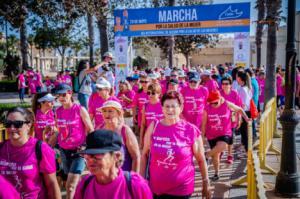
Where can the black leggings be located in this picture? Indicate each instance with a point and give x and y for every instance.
(244, 130)
(165, 196)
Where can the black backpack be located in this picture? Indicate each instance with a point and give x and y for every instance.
(127, 175)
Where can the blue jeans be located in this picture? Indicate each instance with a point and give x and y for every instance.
(71, 161)
(21, 93)
(83, 100)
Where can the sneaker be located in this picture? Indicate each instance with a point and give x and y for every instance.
(215, 178)
(229, 159)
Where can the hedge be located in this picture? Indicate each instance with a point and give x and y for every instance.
(8, 106)
(8, 86)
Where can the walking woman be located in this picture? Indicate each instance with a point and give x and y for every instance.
(73, 123)
(44, 125)
(21, 86)
(104, 93)
(25, 162)
(152, 110)
(172, 143)
(217, 126)
(245, 94)
(113, 120)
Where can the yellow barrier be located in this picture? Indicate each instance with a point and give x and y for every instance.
(3, 134)
(255, 188)
(267, 128)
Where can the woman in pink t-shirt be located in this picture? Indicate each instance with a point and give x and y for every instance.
(152, 110)
(126, 96)
(73, 123)
(97, 99)
(140, 99)
(21, 86)
(32, 177)
(261, 83)
(172, 144)
(232, 96)
(44, 125)
(113, 120)
(279, 88)
(103, 155)
(217, 126)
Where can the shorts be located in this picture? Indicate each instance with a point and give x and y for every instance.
(225, 138)
(72, 162)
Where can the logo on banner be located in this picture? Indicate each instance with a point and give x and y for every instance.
(230, 14)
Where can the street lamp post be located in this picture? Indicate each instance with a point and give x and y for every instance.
(288, 179)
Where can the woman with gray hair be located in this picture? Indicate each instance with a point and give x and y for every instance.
(107, 180)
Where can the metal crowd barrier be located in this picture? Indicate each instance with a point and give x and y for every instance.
(267, 129)
(3, 133)
(255, 184)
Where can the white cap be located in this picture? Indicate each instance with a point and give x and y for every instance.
(206, 72)
(102, 83)
(181, 73)
(108, 54)
(167, 72)
(153, 76)
(112, 104)
(47, 98)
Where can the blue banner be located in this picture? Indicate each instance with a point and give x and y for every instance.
(183, 20)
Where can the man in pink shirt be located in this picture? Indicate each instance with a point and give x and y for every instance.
(107, 180)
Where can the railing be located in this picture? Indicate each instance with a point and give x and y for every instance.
(3, 133)
(255, 185)
(267, 128)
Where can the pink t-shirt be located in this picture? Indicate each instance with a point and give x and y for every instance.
(172, 169)
(279, 85)
(94, 107)
(71, 128)
(41, 121)
(37, 79)
(19, 166)
(234, 98)
(67, 79)
(140, 99)
(7, 190)
(31, 84)
(135, 88)
(261, 84)
(218, 121)
(211, 85)
(194, 103)
(163, 85)
(117, 189)
(153, 112)
(21, 82)
(125, 104)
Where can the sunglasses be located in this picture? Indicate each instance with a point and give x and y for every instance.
(193, 82)
(151, 93)
(62, 95)
(225, 83)
(144, 82)
(17, 123)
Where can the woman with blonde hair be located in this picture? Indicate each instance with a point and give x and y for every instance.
(113, 120)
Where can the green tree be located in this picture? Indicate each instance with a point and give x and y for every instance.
(272, 19)
(16, 13)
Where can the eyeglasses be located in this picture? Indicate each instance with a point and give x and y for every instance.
(144, 82)
(17, 123)
(226, 84)
(94, 157)
(170, 107)
(151, 93)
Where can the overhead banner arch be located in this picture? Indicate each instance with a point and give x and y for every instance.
(183, 20)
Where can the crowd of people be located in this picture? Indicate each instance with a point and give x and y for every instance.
(137, 138)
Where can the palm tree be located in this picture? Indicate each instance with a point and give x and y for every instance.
(272, 19)
(260, 6)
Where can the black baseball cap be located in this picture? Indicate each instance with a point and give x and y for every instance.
(63, 88)
(102, 141)
(193, 76)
